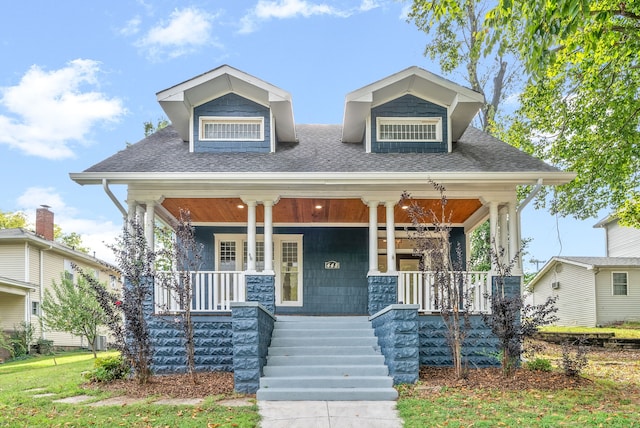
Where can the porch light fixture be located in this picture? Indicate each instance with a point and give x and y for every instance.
(404, 207)
(240, 206)
(318, 207)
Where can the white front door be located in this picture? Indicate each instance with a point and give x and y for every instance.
(288, 267)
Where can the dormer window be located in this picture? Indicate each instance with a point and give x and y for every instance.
(409, 129)
(223, 128)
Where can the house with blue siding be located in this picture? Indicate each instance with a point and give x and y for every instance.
(309, 276)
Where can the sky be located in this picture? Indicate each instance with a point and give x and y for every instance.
(78, 79)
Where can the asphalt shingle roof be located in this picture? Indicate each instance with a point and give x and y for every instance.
(320, 149)
(605, 261)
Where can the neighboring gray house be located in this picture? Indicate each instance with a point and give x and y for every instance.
(304, 219)
(595, 291)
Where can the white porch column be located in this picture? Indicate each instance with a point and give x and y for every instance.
(149, 223)
(268, 236)
(502, 230)
(251, 235)
(514, 239)
(494, 241)
(391, 236)
(373, 236)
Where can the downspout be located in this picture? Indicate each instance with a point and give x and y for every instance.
(522, 206)
(105, 186)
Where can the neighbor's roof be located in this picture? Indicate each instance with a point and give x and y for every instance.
(589, 263)
(320, 150)
(22, 235)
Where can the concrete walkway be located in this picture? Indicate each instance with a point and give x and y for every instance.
(329, 414)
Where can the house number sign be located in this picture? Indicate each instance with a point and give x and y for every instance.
(332, 264)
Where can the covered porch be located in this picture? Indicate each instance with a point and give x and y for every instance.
(326, 255)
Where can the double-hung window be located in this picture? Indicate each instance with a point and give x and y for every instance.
(409, 129)
(222, 128)
(620, 283)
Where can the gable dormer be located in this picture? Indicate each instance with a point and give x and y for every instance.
(410, 111)
(227, 110)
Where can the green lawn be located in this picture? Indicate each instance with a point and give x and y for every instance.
(19, 407)
(601, 404)
(624, 331)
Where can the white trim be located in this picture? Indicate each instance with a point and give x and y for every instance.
(192, 144)
(367, 134)
(415, 120)
(626, 274)
(228, 120)
(278, 241)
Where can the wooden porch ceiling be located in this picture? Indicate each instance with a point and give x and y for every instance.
(300, 210)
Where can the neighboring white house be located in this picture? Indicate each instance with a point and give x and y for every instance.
(620, 241)
(595, 291)
(29, 263)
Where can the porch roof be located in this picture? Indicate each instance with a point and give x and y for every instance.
(320, 154)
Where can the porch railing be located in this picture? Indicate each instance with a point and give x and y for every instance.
(213, 291)
(427, 291)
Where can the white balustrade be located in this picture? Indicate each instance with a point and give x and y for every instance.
(211, 292)
(431, 290)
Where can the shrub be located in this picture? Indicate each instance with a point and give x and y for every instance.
(107, 369)
(574, 357)
(539, 364)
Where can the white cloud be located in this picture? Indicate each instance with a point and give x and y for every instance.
(266, 10)
(48, 112)
(404, 13)
(94, 233)
(132, 27)
(186, 31)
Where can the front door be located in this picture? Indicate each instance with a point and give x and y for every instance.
(288, 267)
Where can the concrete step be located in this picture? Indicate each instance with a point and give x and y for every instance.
(323, 325)
(324, 360)
(327, 382)
(323, 350)
(324, 370)
(304, 318)
(327, 394)
(324, 341)
(322, 332)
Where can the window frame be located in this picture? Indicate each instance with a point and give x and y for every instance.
(437, 121)
(252, 120)
(626, 283)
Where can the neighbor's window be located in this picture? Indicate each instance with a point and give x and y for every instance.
(35, 308)
(619, 281)
(231, 128)
(409, 129)
(68, 270)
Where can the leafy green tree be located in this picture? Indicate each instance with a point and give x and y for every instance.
(580, 110)
(73, 308)
(462, 43)
(9, 220)
(150, 128)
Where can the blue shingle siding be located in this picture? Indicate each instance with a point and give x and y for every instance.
(409, 106)
(232, 105)
(332, 292)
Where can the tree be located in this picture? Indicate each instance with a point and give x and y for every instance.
(431, 240)
(580, 109)
(9, 220)
(512, 320)
(150, 128)
(136, 262)
(186, 256)
(72, 240)
(461, 40)
(73, 308)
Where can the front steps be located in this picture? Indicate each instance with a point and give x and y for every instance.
(325, 358)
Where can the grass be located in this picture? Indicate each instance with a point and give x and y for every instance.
(601, 404)
(629, 330)
(19, 407)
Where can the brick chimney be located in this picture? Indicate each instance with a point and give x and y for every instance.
(44, 222)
